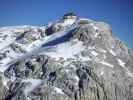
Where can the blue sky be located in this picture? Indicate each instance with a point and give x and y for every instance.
(118, 13)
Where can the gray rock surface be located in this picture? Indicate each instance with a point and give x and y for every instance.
(102, 70)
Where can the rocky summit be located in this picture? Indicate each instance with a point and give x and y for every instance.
(73, 58)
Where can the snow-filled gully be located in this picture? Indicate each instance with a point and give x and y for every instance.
(48, 43)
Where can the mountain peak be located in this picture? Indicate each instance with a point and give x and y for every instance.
(72, 58)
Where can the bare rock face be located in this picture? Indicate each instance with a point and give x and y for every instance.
(80, 60)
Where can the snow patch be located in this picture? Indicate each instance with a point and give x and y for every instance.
(6, 43)
(96, 29)
(3, 63)
(91, 47)
(101, 73)
(66, 50)
(34, 84)
(62, 50)
(58, 90)
(112, 52)
(84, 58)
(94, 53)
(68, 22)
(121, 63)
(106, 63)
(66, 63)
(77, 79)
(73, 67)
(130, 74)
(5, 81)
(102, 50)
(67, 70)
(104, 56)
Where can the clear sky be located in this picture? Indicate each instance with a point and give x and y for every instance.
(118, 13)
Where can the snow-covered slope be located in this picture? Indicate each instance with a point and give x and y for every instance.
(73, 58)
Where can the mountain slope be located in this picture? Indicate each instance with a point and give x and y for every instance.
(71, 59)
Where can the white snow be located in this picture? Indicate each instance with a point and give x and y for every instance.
(58, 90)
(65, 50)
(62, 50)
(56, 35)
(66, 63)
(3, 68)
(102, 50)
(94, 53)
(96, 29)
(67, 70)
(121, 63)
(85, 19)
(8, 34)
(104, 56)
(5, 80)
(106, 63)
(28, 98)
(130, 74)
(6, 42)
(3, 63)
(6, 60)
(73, 67)
(96, 33)
(11, 57)
(77, 79)
(36, 44)
(84, 58)
(91, 47)
(32, 86)
(101, 73)
(68, 22)
(112, 52)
